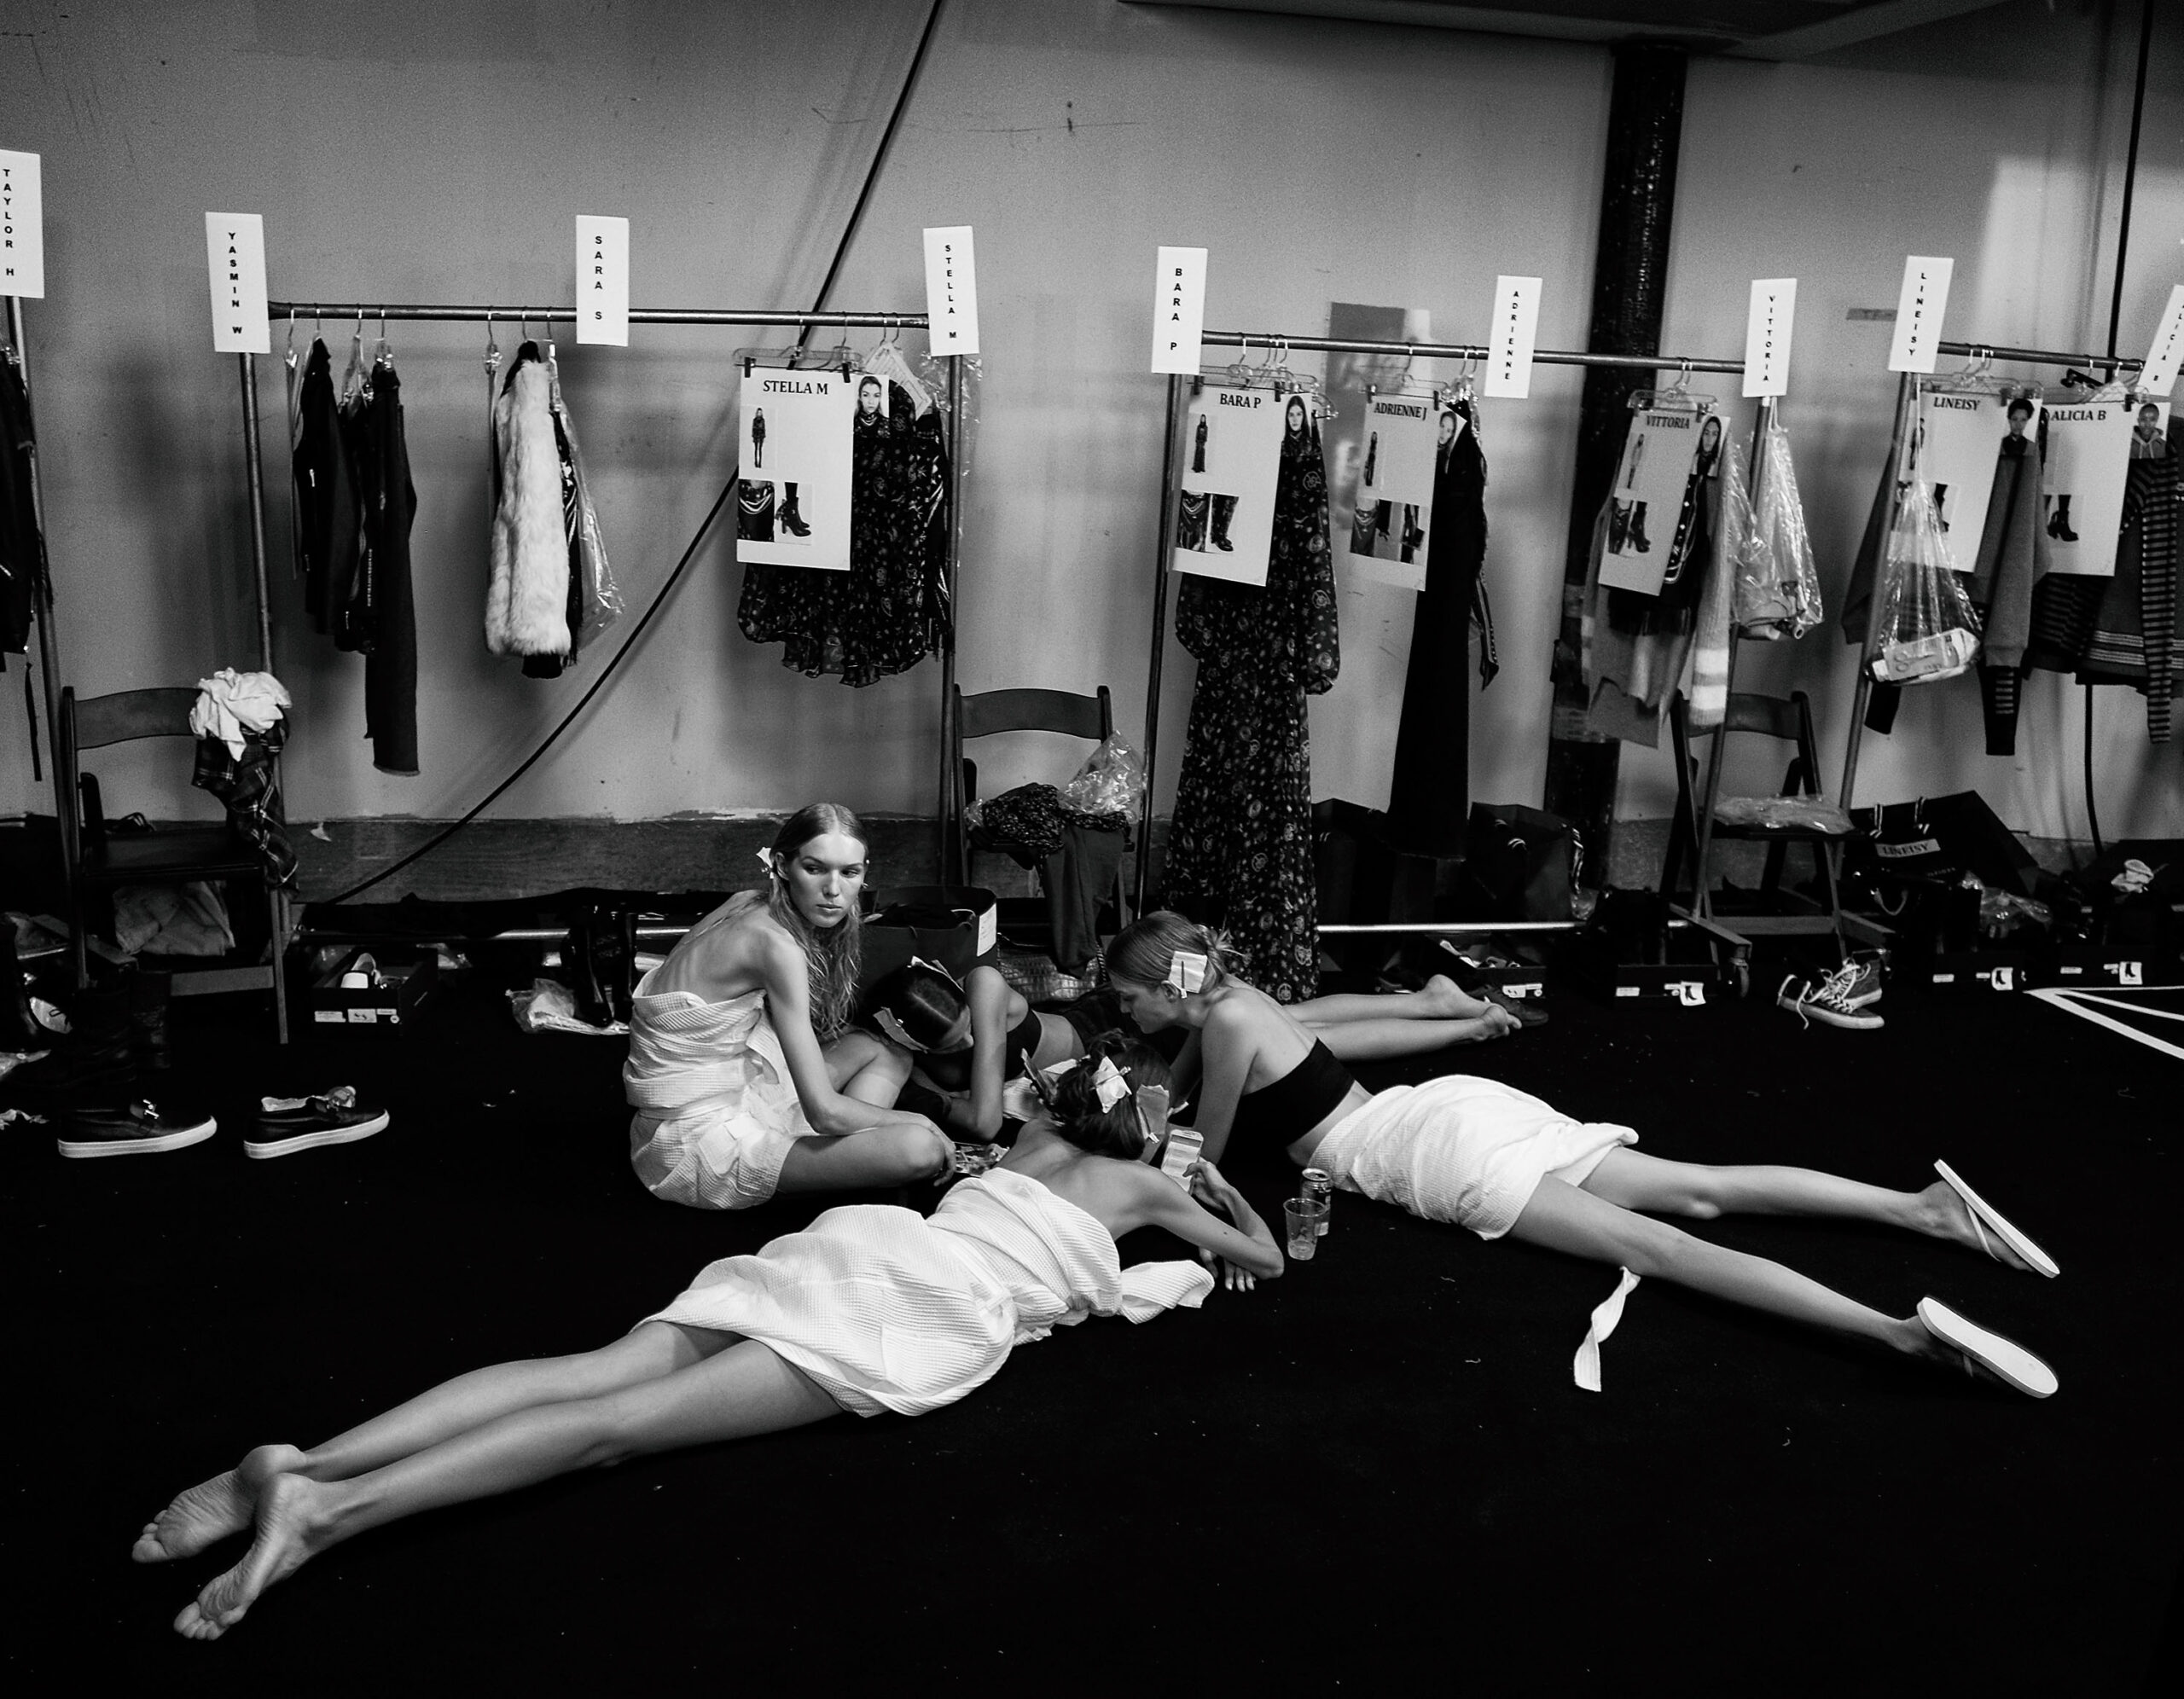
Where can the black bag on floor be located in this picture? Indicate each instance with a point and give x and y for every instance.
(952, 926)
(1940, 835)
(1519, 864)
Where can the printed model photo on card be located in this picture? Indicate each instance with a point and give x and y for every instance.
(1224, 513)
(1963, 436)
(1391, 505)
(1661, 512)
(798, 431)
(2090, 447)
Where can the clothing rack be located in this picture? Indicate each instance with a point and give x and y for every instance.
(1883, 576)
(416, 312)
(49, 641)
(1274, 340)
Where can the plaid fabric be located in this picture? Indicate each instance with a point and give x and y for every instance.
(246, 785)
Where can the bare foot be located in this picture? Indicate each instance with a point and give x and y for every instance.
(1944, 1214)
(1442, 1000)
(212, 1510)
(290, 1530)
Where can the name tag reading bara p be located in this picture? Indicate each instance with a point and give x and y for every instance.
(22, 226)
(235, 255)
(1179, 310)
(1509, 346)
(603, 280)
(1919, 305)
(951, 291)
(1767, 330)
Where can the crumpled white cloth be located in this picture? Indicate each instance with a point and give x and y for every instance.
(1585, 1369)
(230, 703)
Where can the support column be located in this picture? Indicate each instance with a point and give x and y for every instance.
(1629, 289)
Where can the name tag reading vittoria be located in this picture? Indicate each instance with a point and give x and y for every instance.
(235, 255)
(1766, 329)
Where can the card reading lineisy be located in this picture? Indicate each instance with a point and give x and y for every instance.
(235, 255)
(22, 227)
(603, 280)
(951, 291)
(1918, 308)
(1516, 327)
(1179, 310)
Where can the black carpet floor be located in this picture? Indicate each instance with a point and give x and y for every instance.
(1374, 1473)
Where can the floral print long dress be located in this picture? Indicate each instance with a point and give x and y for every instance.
(1240, 848)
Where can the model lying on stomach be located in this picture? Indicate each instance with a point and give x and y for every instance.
(872, 1308)
(1489, 1158)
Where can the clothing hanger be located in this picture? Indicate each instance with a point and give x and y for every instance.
(353, 380)
(384, 354)
(289, 357)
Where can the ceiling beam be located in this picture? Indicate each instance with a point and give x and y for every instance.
(1866, 24)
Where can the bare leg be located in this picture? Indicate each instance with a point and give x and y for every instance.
(744, 1390)
(1439, 999)
(1564, 1218)
(223, 1505)
(878, 1156)
(1380, 1040)
(860, 1066)
(1700, 1193)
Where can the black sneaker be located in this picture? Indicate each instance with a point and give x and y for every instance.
(286, 1125)
(137, 1127)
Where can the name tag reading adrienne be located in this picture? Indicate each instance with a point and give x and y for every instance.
(951, 291)
(1179, 310)
(603, 280)
(1766, 335)
(1509, 347)
(234, 254)
(2158, 378)
(1918, 308)
(22, 227)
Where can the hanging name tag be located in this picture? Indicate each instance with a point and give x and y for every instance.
(22, 227)
(1918, 308)
(1516, 323)
(234, 253)
(951, 291)
(2158, 378)
(1766, 335)
(1179, 310)
(603, 280)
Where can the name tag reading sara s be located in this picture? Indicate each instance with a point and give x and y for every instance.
(603, 280)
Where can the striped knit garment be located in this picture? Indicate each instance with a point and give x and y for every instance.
(2134, 635)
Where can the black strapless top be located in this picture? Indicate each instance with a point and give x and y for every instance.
(1284, 1111)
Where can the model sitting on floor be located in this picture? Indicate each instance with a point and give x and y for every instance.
(872, 1308)
(1493, 1159)
(744, 1072)
(972, 1037)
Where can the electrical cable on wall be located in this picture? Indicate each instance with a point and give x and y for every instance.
(704, 525)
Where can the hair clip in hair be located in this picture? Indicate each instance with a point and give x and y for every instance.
(766, 861)
(1108, 1084)
(1187, 971)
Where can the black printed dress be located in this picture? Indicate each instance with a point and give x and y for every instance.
(889, 610)
(1241, 848)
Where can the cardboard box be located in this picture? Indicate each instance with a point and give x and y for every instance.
(408, 980)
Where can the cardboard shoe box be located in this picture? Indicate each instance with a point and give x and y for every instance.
(406, 982)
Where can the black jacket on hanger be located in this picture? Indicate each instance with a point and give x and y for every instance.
(22, 550)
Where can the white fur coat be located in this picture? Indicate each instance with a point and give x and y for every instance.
(527, 597)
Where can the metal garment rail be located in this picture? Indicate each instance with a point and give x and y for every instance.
(413, 313)
(1274, 340)
(1883, 573)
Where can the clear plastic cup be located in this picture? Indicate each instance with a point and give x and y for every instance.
(1303, 1216)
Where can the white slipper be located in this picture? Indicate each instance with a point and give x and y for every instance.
(2005, 1358)
(1982, 1210)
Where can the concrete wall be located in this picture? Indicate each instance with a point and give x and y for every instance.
(416, 150)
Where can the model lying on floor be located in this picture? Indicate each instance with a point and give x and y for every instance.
(872, 1308)
(744, 1072)
(972, 1037)
(1489, 1158)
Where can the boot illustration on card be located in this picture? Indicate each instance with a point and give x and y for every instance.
(790, 520)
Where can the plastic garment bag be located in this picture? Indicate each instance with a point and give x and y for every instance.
(1777, 588)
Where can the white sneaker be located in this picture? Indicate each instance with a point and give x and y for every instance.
(1827, 999)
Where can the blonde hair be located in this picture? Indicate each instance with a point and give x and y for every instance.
(1143, 951)
(832, 957)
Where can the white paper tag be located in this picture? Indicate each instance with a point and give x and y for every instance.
(234, 253)
(1919, 308)
(951, 290)
(1179, 310)
(603, 280)
(1516, 324)
(22, 227)
(989, 925)
(1766, 335)
(2158, 378)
